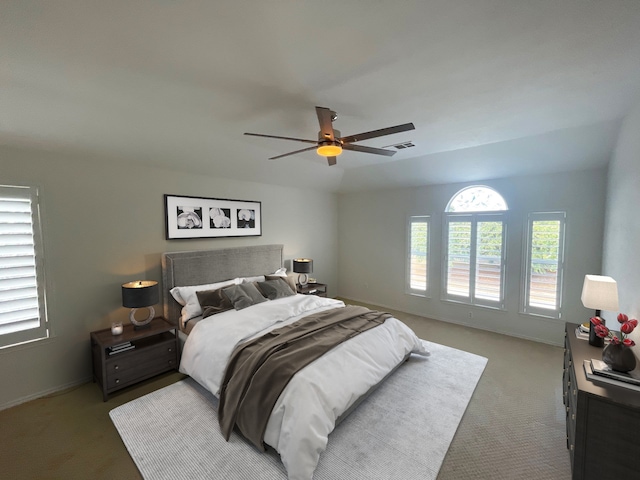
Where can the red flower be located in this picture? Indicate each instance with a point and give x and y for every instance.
(596, 321)
(601, 330)
(627, 327)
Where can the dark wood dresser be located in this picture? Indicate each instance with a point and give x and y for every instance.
(603, 420)
(151, 351)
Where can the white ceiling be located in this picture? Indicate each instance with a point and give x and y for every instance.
(495, 88)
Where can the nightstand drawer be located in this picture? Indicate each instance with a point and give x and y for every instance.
(133, 365)
(142, 372)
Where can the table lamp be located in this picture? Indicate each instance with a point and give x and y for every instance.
(303, 266)
(600, 293)
(140, 294)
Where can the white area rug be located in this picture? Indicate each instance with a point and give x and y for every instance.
(402, 431)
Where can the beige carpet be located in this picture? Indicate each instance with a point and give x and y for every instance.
(514, 427)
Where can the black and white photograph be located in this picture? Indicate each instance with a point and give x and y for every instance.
(188, 217)
(220, 217)
(203, 217)
(246, 218)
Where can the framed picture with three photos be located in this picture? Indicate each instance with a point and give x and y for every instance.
(201, 217)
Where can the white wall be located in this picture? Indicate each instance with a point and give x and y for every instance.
(372, 236)
(103, 223)
(621, 257)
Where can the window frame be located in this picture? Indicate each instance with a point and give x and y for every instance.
(525, 308)
(474, 218)
(42, 331)
(411, 219)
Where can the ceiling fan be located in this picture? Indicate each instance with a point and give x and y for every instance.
(330, 144)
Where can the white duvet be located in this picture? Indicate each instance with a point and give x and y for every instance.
(307, 409)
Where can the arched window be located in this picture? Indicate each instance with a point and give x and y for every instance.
(475, 230)
(476, 199)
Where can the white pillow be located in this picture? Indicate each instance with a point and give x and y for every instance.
(261, 278)
(187, 297)
(257, 278)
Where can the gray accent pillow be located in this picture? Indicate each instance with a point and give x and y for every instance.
(213, 301)
(243, 295)
(290, 281)
(276, 288)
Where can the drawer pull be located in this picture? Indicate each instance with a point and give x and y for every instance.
(574, 392)
(170, 349)
(116, 367)
(573, 416)
(571, 447)
(117, 381)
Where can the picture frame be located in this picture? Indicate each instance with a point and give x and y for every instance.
(202, 217)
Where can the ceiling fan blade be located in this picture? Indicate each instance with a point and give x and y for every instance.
(332, 160)
(324, 117)
(378, 133)
(293, 153)
(363, 149)
(283, 138)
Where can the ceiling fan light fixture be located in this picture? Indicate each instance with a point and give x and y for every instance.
(329, 149)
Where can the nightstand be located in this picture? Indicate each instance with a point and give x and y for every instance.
(319, 289)
(136, 355)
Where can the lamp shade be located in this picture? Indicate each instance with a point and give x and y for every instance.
(302, 265)
(600, 293)
(139, 294)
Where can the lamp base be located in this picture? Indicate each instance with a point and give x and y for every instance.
(138, 324)
(303, 279)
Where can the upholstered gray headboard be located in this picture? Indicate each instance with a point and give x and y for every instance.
(210, 266)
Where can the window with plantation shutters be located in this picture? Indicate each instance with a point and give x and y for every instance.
(474, 266)
(418, 256)
(22, 307)
(459, 257)
(544, 264)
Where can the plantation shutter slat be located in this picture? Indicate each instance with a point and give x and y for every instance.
(21, 303)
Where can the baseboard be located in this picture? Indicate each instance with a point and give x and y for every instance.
(459, 322)
(44, 393)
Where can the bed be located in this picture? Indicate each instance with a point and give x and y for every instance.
(319, 395)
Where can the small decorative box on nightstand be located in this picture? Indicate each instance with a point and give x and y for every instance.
(136, 355)
(319, 289)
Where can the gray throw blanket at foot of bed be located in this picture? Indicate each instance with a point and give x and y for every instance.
(259, 370)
